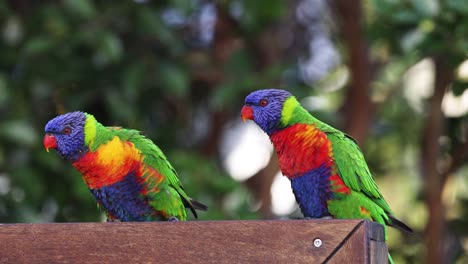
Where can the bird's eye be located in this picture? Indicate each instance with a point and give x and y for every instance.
(263, 102)
(67, 130)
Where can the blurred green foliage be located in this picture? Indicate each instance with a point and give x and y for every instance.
(119, 61)
(127, 65)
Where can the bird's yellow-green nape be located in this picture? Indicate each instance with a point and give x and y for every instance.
(288, 109)
(294, 113)
(90, 131)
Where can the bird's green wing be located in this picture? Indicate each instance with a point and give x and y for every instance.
(171, 197)
(353, 169)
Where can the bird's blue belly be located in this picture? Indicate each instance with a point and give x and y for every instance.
(123, 200)
(312, 191)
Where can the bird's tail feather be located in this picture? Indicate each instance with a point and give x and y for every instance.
(197, 205)
(399, 225)
(194, 204)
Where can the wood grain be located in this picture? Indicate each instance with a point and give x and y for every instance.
(272, 241)
(356, 241)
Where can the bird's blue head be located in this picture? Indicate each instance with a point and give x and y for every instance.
(264, 107)
(65, 133)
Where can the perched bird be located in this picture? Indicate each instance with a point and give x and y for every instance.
(326, 168)
(128, 175)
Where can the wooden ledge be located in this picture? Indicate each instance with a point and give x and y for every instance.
(269, 241)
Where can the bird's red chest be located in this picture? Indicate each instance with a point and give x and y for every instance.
(109, 164)
(301, 148)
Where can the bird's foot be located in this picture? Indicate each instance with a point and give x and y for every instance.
(173, 219)
(112, 220)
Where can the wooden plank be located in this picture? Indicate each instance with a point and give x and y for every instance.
(377, 247)
(379, 252)
(367, 237)
(356, 241)
(284, 241)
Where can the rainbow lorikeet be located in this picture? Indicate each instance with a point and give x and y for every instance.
(326, 168)
(128, 175)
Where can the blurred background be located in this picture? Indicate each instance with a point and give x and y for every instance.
(392, 73)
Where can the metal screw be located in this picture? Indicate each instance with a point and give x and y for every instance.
(317, 242)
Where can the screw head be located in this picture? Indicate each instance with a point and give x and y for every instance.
(317, 242)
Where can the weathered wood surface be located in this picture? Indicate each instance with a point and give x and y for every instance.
(272, 241)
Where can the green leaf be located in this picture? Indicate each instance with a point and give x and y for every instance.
(80, 8)
(4, 91)
(119, 105)
(173, 79)
(20, 132)
(428, 8)
(458, 6)
(406, 17)
(412, 39)
(132, 80)
(183, 5)
(38, 45)
(258, 14)
(56, 25)
(458, 87)
(13, 30)
(109, 50)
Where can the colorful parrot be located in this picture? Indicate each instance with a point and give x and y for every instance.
(328, 174)
(128, 175)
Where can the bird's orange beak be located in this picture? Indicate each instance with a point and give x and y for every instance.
(247, 113)
(49, 142)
